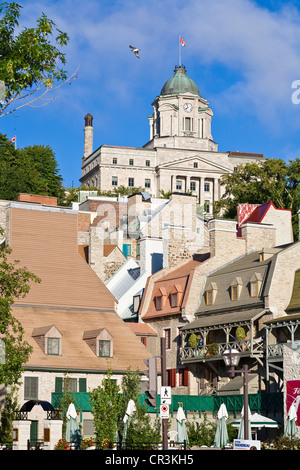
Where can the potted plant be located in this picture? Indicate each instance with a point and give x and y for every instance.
(240, 333)
(193, 340)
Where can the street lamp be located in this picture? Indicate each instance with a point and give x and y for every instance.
(231, 358)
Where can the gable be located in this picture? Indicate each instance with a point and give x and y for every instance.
(188, 163)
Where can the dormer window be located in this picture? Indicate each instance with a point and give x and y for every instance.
(211, 293)
(255, 284)
(104, 348)
(160, 296)
(236, 288)
(176, 294)
(49, 339)
(53, 346)
(100, 341)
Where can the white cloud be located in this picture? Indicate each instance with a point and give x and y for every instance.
(259, 45)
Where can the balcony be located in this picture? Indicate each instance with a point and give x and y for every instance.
(214, 351)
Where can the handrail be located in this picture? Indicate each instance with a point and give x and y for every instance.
(217, 349)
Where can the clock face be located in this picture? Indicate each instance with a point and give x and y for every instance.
(187, 107)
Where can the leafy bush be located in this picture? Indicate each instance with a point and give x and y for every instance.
(201, 434)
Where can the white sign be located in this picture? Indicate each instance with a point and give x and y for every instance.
(243, 444)
(164, 411)
(165, 396)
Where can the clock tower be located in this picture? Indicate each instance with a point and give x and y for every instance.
(181, 117)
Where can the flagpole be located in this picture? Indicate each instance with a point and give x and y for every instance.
(179, 51)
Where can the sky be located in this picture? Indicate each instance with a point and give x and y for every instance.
(244, 56)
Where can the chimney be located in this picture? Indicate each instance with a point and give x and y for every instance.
(88, 135)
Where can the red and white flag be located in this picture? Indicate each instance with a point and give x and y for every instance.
(181, 41)
(13, 139)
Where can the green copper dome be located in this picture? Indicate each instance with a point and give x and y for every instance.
(180, 83)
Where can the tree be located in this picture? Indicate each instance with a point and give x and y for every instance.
(14, 284)
(71, 194)
(30, 60)
(105, 401)
(32, 170)
(257, 183)
(141, 434)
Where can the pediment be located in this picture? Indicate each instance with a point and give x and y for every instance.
(203, 164)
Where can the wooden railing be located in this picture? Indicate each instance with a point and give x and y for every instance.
(214, 350)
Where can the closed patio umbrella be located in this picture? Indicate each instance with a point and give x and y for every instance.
(181, 427)
(221, 437)
(73, 434)
(131, 408)
(240, 424)
(291, 428)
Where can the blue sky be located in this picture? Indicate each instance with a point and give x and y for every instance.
(243, 54)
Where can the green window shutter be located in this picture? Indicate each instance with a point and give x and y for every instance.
(82, 385)
(58, 384)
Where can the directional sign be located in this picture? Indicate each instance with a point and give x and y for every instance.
(164, 411)
(165, 396)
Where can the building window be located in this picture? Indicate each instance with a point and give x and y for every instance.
(31, 388)
(158, 303)
(206, 207)
(131, 182)
(114, 180)
(115, 161)
(209, 297)
(188, 124)
(53, 346)
(171, 377)
(178, 185)
(193, 185)
(235, 169)
(147, 183)
(174, 300)
(206, 187)
(234, 292)
(131, 161)
(183, 377)
(254, 289)
(104, 348)
(144, 340)
(167, 332)
(147, 162)
(195, 164)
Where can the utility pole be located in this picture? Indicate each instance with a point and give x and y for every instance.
(164, 383)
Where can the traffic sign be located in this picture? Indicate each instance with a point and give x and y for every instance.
(165, 395)
(164, 411)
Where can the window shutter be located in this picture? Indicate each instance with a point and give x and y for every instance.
(173, 377)
(82, 385)
(58, 384)
(186, 377)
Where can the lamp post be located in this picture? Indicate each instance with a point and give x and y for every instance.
(232, 358)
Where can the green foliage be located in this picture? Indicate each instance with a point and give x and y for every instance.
(31, 170)
(142, 433)
(201, 434)
(240, 333)
(8, 410)
(258, 183)
(14, 284)
(193, 340)
(283, 443)
(29, 58)
(106, 405)
(71, 194)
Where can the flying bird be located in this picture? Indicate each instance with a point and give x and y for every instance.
(135, 50)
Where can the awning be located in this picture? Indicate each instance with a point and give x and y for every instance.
(215, 321)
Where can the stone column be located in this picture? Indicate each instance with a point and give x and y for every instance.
(22, 430)
(55, 432)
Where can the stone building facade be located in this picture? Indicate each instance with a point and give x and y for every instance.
(181, 154)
